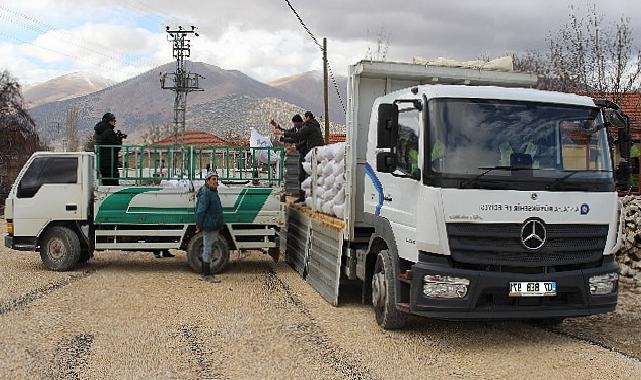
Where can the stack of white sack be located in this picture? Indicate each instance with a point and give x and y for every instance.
(330, 181)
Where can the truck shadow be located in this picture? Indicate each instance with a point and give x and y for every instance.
(146, 262)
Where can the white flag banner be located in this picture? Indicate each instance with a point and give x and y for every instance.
(256, 140)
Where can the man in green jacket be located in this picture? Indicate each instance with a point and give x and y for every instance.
(209, 220)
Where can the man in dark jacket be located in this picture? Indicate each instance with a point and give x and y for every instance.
(209, 220)
(297, 123)
(108, 155)
(305, 139)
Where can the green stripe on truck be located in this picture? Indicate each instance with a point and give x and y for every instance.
(116, 209)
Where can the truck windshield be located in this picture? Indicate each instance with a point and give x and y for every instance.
(469, 135)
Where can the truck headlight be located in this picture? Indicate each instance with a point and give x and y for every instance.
(439, 286)
(603, 283)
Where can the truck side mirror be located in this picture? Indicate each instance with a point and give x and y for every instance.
(387, 125)
(621, 122)
(385, 162)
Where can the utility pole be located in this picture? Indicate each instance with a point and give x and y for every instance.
(325, 90)
(181, 81)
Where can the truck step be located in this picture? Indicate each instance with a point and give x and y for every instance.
(137, 246)
(254, 232)
(403, 306)
(255, 245)
(139, 232)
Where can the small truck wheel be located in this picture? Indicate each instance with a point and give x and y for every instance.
(384, 294)
(60, 249)
(219, 253)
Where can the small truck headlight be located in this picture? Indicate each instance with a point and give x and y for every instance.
(439, 286)
(603, 283)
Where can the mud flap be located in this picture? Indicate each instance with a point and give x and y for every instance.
(314, 250)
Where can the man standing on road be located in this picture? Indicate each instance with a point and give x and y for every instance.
(209, 220)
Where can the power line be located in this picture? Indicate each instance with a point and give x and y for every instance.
(34, 24)
(42, 27)
(329, 68)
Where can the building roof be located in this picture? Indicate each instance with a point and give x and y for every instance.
(337, 138)
(200, 138)
(631, 104)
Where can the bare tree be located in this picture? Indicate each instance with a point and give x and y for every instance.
(90, 144)
(18, 130)
(156, 133)
(71, 129)
(589, 56)
(379, 52)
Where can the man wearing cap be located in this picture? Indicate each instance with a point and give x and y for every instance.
(108, 155)
(209, 220)
(297, 123)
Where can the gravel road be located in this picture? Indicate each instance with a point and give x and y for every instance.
(129, 315)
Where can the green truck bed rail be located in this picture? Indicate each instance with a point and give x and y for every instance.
(148, 164)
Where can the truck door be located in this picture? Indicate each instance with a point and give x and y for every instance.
(50, 189)
(401, 190)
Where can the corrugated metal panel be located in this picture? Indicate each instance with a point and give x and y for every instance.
(324, 264)
(298, 225)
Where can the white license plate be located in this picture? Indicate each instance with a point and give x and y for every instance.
(532, 289)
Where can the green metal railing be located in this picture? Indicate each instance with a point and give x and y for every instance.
(145, 164)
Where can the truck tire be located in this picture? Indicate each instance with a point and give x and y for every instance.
(60, 249)
(219, 254)
(384, 294)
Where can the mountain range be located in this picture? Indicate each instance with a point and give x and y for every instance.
(65, 87)
(230, 104)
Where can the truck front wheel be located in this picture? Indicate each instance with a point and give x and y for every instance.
(60, 249)
(384, 294)
(219, 253)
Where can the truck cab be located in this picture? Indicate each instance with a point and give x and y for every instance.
(501, 202)
(52, 190)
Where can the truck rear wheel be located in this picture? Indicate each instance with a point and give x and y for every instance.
(384, 294)
(60, 249)
(219, 253)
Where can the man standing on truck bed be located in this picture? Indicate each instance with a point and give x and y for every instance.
(305, 139)
(108, 159)
(209, 220)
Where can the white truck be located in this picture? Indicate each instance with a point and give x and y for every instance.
(468, 196)
(58, 207)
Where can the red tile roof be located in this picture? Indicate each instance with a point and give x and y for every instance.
(337, 137)
(200, 138)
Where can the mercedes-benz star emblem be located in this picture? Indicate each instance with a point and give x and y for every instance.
(534, 196)
(533, 234)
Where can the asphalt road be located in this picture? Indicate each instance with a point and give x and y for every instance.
(129, 315)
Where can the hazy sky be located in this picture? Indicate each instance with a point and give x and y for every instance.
(41, 39)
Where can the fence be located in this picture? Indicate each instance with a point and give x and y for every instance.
(145, 164)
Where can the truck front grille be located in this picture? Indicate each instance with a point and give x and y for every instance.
(500, 244)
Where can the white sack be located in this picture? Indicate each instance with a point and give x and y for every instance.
(339, 211)
(256, 140)
(307, 167)
(306, 184)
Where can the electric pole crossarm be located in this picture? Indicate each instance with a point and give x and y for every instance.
(180, 81)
